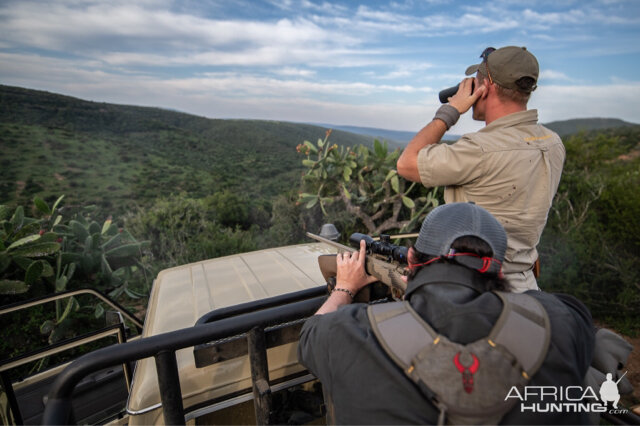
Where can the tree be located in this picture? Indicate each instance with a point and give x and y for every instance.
(365, 184)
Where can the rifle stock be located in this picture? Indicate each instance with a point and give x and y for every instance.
(387, 272)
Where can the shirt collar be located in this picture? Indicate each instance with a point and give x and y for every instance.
(529, 116)
(437, 273)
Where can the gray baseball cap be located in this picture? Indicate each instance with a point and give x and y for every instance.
(448, 222)
(507, 65)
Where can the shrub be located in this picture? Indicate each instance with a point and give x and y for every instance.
(591, 245)
(363, 186)
(61, 249)
(183, 230)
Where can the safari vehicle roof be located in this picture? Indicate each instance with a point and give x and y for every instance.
(181, 295)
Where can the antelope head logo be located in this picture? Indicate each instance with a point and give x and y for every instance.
(467, 371)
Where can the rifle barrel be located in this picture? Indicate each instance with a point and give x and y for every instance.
(330, 242)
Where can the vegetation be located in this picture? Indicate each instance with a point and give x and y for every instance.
(62, 249)
(183, 230)
(194, 188)
(123, 157)
(49, 251)
(365, 185)
(591, 245)
(576, 125)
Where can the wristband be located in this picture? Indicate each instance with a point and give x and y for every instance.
(448, 114)
(345, 291)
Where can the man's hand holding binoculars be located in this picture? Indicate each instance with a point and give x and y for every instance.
(466, 96)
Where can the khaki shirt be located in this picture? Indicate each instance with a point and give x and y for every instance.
(512, 168)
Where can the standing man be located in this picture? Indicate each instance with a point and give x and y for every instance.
(511, 167)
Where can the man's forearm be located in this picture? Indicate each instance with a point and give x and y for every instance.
(333, 302)
(446, 116)
(431, 134)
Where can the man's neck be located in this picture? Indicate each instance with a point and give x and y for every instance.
(497, 109)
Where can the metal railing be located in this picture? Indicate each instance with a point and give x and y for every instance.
(63, 295)
(164, 346)
(112, 330)
(116, 329)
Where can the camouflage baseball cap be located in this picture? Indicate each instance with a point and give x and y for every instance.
(507, 65)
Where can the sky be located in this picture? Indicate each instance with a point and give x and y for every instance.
(373, 64)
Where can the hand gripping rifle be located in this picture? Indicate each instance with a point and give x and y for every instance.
(385, 261)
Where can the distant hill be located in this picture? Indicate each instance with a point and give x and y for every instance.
(118, 156)
(567, 127)
(400, 137)
(563, 128)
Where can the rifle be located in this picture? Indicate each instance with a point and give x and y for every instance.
(385, 261)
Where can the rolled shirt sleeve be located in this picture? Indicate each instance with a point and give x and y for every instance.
(313, 336)
(448, 165)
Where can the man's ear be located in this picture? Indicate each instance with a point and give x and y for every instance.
(487, 86)
(411, 255)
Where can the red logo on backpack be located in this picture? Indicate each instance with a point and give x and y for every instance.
(467, 372)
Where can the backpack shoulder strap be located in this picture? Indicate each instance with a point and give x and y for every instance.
(400, 331)
(522, 315)
(403, 333)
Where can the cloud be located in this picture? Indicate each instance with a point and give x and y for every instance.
(358, 63)
(325, 7)
(63, 74)
(432, 25)
(79, 30)
(295, 72)
(549, 19)
(553, 75)
(607, 100)
(581, 17)
(401, 71)
(234, 95)
(235, 84)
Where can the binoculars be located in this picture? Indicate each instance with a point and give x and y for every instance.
(445, 94)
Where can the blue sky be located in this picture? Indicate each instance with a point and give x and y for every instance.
(375, 64)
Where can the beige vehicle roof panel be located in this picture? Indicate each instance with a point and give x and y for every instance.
(181, 295)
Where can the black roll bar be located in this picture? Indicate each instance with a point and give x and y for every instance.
(255, 305)
(163, 347)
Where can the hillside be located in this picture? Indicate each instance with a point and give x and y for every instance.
(568, 127)
(392, 136)
(120, 157)
(563, 128)
(117, 156)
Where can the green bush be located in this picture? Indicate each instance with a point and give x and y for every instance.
(363, 187)
(61, 248)
(591, 245)
(228, 209)
(183, 230)
(55, 251)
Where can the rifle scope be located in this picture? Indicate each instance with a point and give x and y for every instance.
(382, 247)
